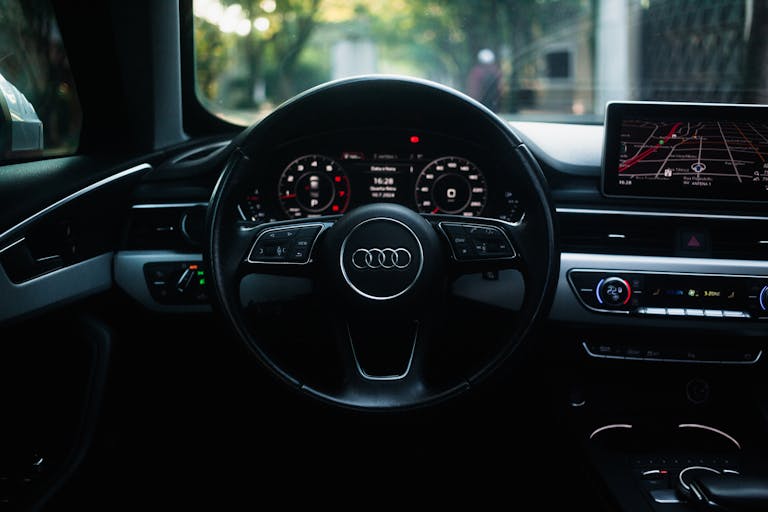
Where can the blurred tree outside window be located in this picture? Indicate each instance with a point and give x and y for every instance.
(560, 60)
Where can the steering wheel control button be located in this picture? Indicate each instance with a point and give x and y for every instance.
(613, 292)
(381, 258)
(477, 242)
(291, 244)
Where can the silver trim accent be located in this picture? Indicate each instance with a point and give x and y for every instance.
(481, 225)
(65, 284)
(609, 427)
(71, 197)
(248, 259)
(11, 245)
(664, 496)
(129, 275)
(381, 258)
(374, 297)
(366, 376)
(668, 360)
(680, 476)
(144, 206)
(596, 211)
(711, 429)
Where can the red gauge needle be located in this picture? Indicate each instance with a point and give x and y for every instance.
(436, 210)
(288, 196)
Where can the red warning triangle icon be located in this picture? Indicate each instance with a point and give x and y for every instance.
(694, 242)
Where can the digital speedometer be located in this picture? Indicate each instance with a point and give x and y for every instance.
(313, 185)
(451, 185)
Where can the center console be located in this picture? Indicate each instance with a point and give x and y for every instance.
(663, 300)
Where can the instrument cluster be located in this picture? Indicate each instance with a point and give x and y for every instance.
(427, 172)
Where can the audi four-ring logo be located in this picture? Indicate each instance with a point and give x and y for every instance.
(386, 258)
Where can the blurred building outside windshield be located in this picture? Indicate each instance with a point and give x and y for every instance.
(555, 60)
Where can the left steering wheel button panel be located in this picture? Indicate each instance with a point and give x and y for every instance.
(284, 245)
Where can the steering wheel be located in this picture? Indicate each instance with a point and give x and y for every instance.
(379, 275)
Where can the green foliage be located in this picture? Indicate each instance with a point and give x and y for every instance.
(434, 39)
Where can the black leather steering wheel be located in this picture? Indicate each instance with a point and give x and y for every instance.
(379, 273)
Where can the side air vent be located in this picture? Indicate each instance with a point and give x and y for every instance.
(166, 227)
(653, 235)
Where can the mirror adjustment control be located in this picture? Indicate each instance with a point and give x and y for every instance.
(614, 292)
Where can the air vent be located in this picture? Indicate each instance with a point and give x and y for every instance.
(614, 234)
(166, 227)
(657, 235)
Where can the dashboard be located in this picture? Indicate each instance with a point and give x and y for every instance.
(426, 171)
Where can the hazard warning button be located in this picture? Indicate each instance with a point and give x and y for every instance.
(693, 242)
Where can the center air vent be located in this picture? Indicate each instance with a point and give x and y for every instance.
(664, 235)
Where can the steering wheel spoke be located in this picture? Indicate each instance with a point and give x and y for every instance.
(384, 359)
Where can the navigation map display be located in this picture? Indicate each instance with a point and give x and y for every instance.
(686, 151)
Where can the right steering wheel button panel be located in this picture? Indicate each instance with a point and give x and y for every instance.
(476, 242)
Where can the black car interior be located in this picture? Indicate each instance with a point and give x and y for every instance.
(382, 288)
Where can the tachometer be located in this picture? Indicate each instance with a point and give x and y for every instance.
(451, 185)
(313, 185)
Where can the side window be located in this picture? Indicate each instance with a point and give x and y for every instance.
(40, 112)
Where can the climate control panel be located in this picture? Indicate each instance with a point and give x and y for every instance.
(671, 294)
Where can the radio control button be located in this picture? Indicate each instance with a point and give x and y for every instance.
(676, 311)
(715, 313)
(654, 311)
(694, 312)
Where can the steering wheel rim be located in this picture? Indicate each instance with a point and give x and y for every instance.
(230, 243)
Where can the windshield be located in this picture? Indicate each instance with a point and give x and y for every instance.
(556, 60)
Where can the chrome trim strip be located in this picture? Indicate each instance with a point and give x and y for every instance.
(609, 427)
(664, 496)
(71, 197)
(594, 211)
(711, 429)
(666, 360)
(167, 205)
(680, 476)
(11, 245)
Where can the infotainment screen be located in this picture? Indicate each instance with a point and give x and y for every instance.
(686, 151)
